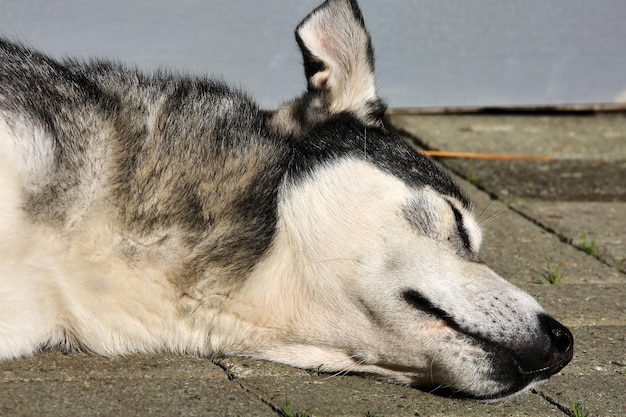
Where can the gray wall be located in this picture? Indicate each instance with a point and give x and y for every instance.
(429, 52)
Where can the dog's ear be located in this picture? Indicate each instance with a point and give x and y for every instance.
(339, 59)
(339, 68)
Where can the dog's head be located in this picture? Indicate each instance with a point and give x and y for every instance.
(378, 248)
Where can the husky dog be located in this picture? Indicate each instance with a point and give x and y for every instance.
(167, 213)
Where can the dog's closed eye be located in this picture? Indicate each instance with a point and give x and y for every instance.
(462, 232)
(460, 238)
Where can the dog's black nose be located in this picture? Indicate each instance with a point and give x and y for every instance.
(562, 349)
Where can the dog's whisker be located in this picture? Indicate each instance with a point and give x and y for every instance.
(484, 209)
(346, 370)
(432, 374)
(438, 387)
(491, 218)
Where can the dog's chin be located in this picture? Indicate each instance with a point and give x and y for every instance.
(512, 372)
(497, 391)
(504, 394)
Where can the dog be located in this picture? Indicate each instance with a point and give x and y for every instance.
(149, 213)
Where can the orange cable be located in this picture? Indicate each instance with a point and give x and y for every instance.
(448, 154)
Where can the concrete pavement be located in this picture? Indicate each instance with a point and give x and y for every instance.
(538, 216)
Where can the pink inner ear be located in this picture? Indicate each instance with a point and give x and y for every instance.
(321, 45)
(319, 82)
(324, 43)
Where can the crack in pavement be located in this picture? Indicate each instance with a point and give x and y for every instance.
(232, 377)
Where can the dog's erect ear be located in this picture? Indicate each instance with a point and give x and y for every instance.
(338, 58)
(339, 67)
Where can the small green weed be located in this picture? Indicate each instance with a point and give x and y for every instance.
(554, 274)
(589, 245)
(373, 414)
(288, 411)
(619, 264)
(578, 410)
(317, 371)
(472, 178)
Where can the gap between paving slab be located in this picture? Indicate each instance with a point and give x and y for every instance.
(600, 227)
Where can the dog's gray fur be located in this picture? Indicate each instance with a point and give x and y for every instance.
(149, 212)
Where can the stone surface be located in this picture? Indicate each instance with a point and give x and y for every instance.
(53, 384)
(596, 227)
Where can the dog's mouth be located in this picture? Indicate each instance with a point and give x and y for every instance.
(509, 377)
(513, 367)
(505, 373)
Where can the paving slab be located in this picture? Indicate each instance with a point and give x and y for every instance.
(599, 396)
(53, 384)
(594, 136)
(583, 304)
(600, 351)
(597, 227)
(588, 152)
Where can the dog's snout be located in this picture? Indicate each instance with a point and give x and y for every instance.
(562, 349)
